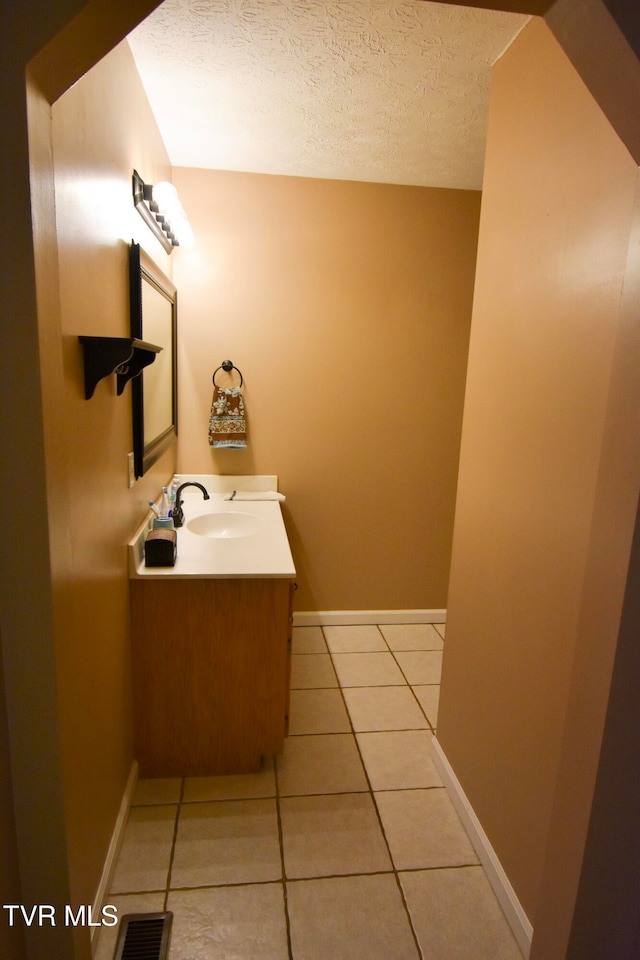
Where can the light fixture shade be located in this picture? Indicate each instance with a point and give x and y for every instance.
(160, 208)
(166, 196)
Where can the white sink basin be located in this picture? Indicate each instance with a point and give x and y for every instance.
(225, 526)
(222, 538)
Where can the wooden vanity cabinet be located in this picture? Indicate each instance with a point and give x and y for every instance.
(211, 668)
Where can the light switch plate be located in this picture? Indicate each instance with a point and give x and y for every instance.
(132, 471)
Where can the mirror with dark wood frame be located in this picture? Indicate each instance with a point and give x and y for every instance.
(154, 318)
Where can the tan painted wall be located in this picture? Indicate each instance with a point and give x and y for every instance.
(555, 227)
(346, 306)
(12, 946)
(102, 129)
(590, 851)
(33, 590)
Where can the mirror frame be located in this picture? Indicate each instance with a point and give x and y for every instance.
(142, 269)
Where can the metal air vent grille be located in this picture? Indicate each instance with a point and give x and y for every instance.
(144, 936)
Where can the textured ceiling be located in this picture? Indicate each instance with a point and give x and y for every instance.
(392, 91)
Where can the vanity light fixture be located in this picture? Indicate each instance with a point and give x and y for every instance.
(160, 208)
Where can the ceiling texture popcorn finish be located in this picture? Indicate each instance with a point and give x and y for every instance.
(389, 91)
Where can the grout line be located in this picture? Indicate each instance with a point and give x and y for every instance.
(346, 733)
(195, 803)
(422, 710)
(285, 892)
(284, 879)
(271, 883)
(324, 876)
(420, 707)
(173, 844)
(431, 726)
(350, 793)
(230, 883)
(382, 830)
(410, 685)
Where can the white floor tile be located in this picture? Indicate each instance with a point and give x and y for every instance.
(317, 711)
(311, 671)
(359, 638)
(241, 786)
(308, 640)
(429, 697)
(143, 864)
(229, 923)
(420, 666)
(399, 760)
(384, 708)
(339, 810)
(156, 791)
(457, 917)
(349, 918)
(412, 636)
(233, 841)
(320, 764)
(332, 835)
(367, 669)
(423, 829)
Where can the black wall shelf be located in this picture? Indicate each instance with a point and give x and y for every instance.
(124, 356)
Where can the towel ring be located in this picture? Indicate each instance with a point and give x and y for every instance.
(227, 366)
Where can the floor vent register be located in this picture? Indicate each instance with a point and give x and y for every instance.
(144, 936)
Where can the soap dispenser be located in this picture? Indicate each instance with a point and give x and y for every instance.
(161, 547)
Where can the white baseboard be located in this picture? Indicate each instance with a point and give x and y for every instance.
(505, 894)
(326, 618)
(115, 844)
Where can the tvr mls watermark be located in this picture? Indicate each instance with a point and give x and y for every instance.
(46, 915)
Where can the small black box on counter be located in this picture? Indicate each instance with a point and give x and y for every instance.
(160, 548)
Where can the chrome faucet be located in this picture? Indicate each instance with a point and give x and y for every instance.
(177, 515)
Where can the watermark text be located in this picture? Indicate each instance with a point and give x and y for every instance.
(46, 915)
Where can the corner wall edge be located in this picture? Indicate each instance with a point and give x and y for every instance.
(114, 847)
(511, 907)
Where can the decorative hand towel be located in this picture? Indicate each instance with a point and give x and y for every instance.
(254, 495)
(227, 423)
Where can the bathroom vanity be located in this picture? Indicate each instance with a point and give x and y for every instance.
(211, 639)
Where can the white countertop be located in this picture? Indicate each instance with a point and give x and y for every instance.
(263, 552)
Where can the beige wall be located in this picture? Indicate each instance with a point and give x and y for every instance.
(592, 850)
(102, 129)
(35, 585)
(12, 945)
(346, 306)
(534, 489)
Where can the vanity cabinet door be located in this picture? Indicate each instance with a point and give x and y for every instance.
(292, 588)
(210, 667)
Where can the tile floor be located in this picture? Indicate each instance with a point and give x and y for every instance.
(346, 847)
